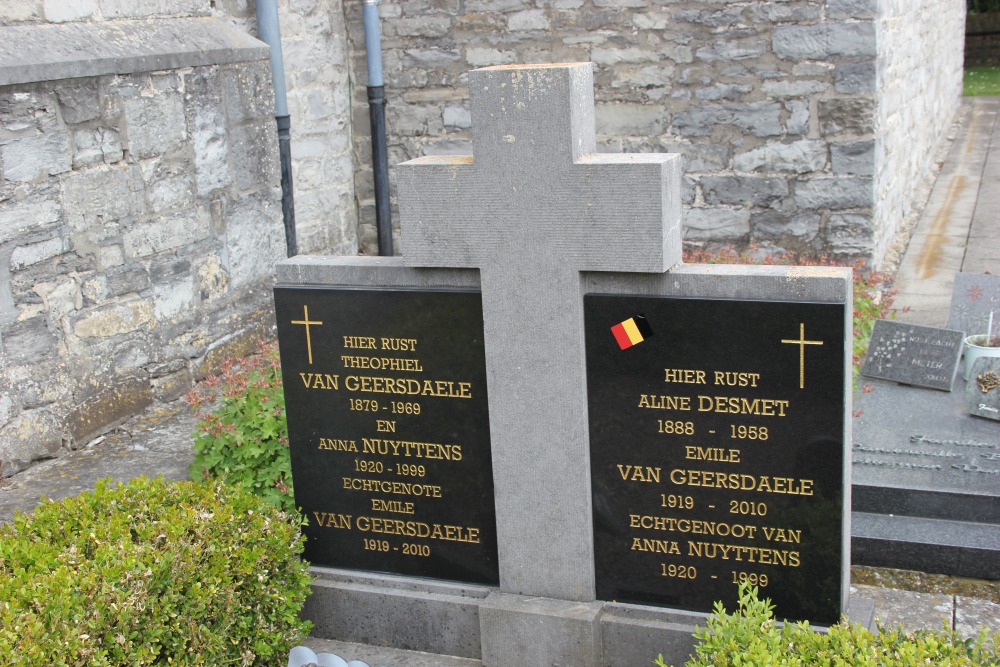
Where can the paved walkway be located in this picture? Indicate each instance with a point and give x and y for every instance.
(959, 230)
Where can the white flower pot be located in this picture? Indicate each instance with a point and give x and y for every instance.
(975, 348)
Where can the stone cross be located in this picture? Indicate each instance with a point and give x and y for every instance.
(532, 208)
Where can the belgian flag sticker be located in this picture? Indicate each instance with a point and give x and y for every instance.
(632, 331)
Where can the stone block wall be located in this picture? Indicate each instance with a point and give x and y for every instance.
(775, 104)
(140, 220)
(919, 84)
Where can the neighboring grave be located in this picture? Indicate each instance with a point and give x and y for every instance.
(973, 297)
(546, 229)
(926, 492)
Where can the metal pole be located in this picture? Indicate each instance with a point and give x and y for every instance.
(267, 27)
(376, 109)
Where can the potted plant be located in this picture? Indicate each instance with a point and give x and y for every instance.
(979, 346)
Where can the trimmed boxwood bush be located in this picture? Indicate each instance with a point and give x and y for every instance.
(151, 573)
(750, 637)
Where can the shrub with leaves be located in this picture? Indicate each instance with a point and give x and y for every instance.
(151, 573)
(750, 636)
(872, 296)
(242, 433)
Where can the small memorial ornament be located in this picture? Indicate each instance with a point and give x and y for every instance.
(982, 391)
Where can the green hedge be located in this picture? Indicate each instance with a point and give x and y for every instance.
(750, 637)
(151, 573)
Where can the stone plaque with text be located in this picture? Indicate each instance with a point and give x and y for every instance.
(385, 392)
(913, 354)
(717, 451)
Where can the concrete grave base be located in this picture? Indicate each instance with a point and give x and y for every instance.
(499, 629)
(521, 630)
(400, 612)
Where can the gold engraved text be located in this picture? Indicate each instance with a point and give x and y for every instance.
(742, 482)
(639, 473)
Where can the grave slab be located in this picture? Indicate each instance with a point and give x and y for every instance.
(926, 481)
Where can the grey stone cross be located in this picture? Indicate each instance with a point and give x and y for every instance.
(534, 207)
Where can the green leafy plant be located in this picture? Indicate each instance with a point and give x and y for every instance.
(872, 296)
(151, 573)
(242, 433)
(750, 636)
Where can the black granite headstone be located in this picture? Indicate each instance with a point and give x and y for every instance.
(717, 451)
(385, 392)
(913, 354)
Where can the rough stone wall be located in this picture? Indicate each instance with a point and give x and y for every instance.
(318, 90)
(773, 103)
(140, 221)
(920, 85)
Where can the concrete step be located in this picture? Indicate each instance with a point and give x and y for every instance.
(958, 548)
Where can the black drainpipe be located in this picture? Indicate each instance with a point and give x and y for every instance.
(376, 109)
(267, 27)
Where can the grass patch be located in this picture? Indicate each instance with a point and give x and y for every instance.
(981, 80)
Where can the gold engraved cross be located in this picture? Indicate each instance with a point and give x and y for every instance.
(305, 320)
(802, 342)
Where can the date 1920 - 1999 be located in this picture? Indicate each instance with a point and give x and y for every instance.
(691, 572)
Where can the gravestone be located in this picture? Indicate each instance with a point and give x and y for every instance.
(567, 248)
(913, 354)
(974, 296)
(389, 419)
(718, 458)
